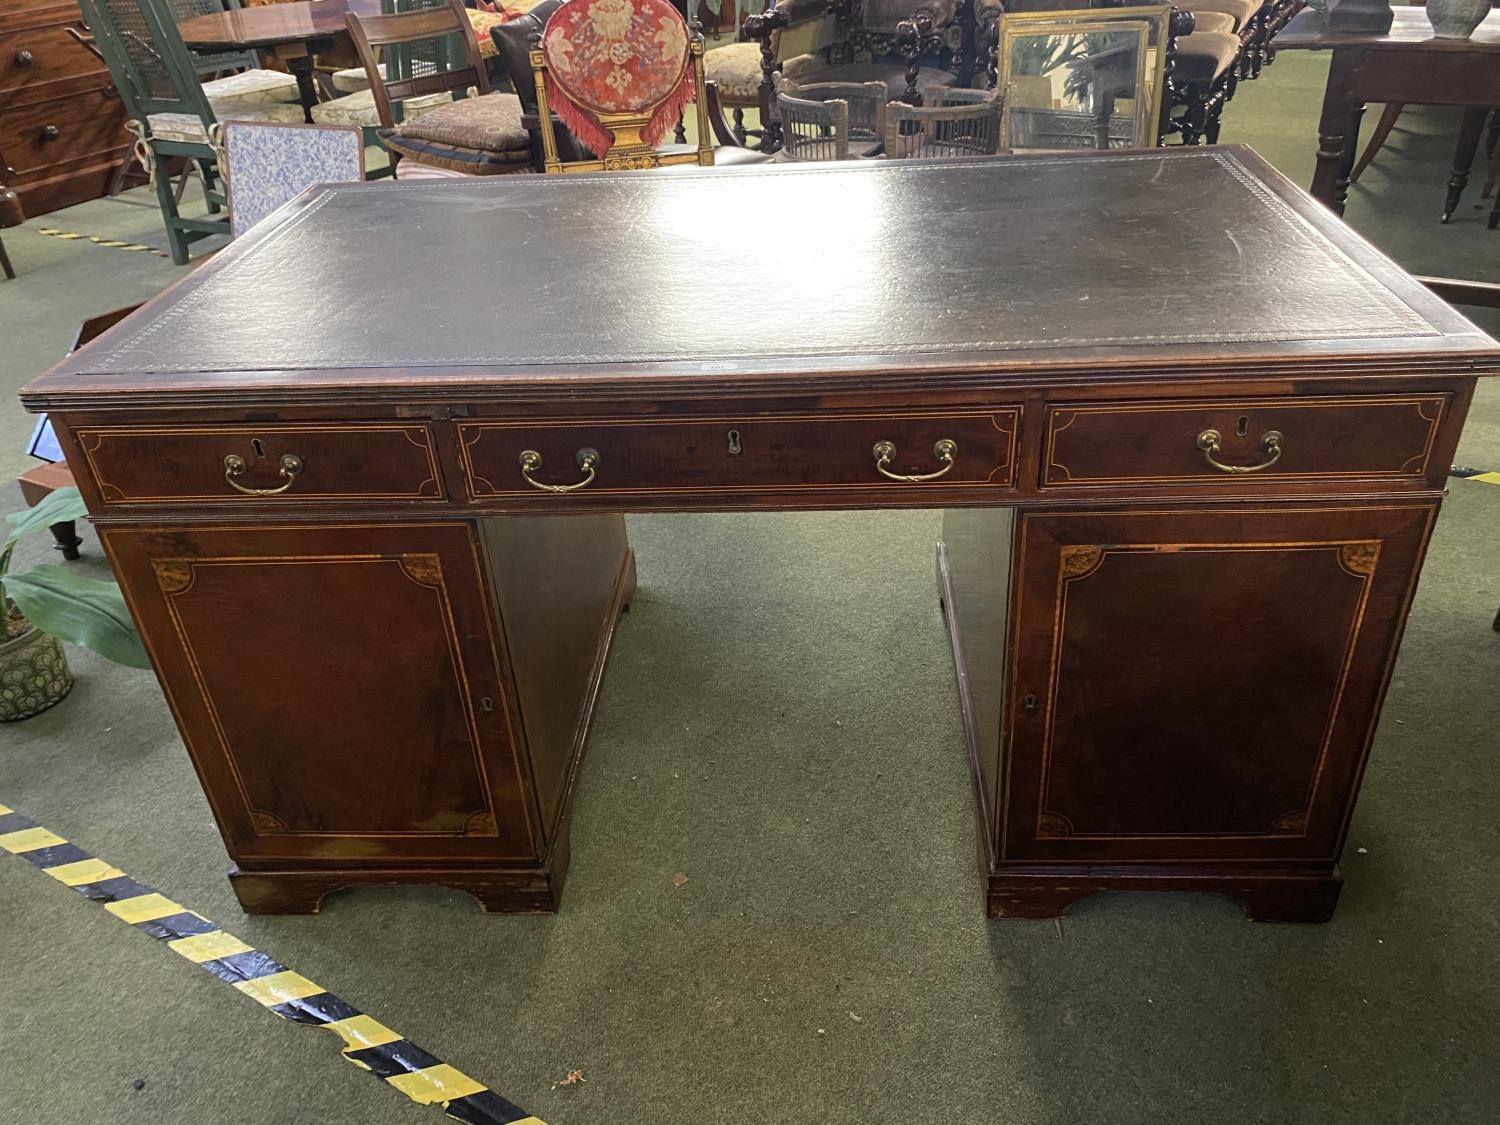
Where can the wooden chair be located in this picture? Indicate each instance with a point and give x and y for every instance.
(265, 165)
(619, 111)
(169, 108)
(967, 125)
(421, 64)
(813, 130)
(39, 482)
(866, 102)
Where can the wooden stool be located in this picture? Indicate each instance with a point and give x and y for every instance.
(36, 484)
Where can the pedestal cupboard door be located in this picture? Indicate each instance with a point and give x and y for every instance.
(338, 687)
(1199, 685)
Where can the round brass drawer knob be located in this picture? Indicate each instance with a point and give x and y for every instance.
(25, 58)
(50, 132)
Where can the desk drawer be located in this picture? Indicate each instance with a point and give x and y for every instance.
(783, 453)
(213, 464)
(52, 132)
(34, 56)
(1253, 440)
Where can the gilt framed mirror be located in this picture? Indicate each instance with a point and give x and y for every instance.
(1089, 79)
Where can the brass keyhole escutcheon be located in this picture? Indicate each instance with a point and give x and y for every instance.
(1030, 702)
(735, 449)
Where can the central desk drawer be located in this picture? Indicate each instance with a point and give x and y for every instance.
(1245, 441)
(785, 452)
(272, 464)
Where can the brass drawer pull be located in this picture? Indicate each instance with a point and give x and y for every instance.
(235, 465)
(1210, 440)
(944, 450)
(588, 461)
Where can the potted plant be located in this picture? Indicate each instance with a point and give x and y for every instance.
(48, 604)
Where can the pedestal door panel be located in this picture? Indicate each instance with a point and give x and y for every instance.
(338, 688)
(1199, 686)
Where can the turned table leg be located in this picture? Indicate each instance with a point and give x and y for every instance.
(1469, 134)
(1330, 184)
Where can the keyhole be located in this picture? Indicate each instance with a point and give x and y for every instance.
(486, 703)
(1242, 427)
(1029, 702)
(260, 450)
(734, 443)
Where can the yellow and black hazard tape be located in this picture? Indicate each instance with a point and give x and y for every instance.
(1480, 475)
(111, 243)
(398, 1061)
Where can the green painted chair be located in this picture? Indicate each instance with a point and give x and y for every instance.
(169, 109)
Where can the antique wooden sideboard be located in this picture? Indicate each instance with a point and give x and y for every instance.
(1190, 433)
(62, 124)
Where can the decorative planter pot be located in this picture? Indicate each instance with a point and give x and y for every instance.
(1456, 19)
(33, 675)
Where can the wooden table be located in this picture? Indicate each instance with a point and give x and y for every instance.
(1406, 64)
(1191, 434)
(293, 33)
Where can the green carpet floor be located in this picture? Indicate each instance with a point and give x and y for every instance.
(780, 724)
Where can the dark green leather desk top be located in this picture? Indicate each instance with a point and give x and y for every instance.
(1165, 260)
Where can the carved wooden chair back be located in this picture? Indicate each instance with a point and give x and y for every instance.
(619, 73)
(963, 128)
(418, 52)
(866, 102)
(813, 130)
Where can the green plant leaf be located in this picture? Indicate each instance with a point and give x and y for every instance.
(58, 506)
(82, 610)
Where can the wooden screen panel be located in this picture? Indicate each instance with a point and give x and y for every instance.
(338, 687)
(1199, 684)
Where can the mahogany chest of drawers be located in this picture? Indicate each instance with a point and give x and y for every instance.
(62, 125)
(1189, 432)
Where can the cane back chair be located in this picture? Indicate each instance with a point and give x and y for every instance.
(168, 108)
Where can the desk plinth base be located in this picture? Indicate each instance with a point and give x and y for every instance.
(1266, 898)
(523, 891)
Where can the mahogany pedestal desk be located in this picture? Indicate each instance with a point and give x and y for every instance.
(362, 475)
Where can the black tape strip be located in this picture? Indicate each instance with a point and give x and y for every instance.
(117, 889)
(14, 822)
(485, 1108)
(174, 926)
(55, 856)
(385, 1061)
(323, 1007)
(242, 966)
(389, 1059)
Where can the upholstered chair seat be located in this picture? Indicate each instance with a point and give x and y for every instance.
(481, 136)
(354, 80)
(735, 70)
(187, 128)
(251, 87)
(360, 109)
(1213, 21)
(1204, 55)
(1241, 10)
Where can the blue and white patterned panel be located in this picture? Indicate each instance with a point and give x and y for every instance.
(270, 164)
